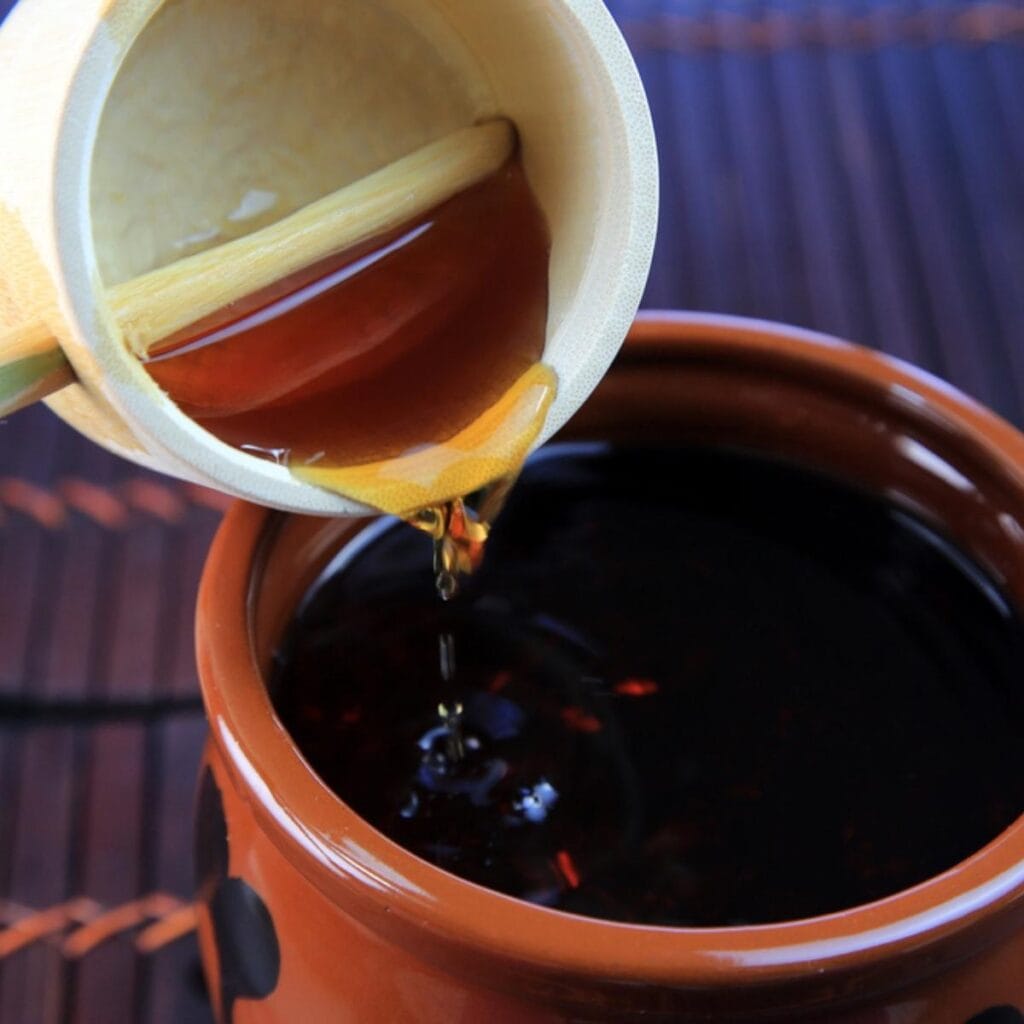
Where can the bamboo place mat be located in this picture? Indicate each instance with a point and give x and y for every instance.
(852, 167)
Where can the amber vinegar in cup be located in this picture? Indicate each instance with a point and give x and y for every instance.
(378, 361)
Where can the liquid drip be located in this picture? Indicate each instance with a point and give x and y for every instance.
(685, 688)
(403, 373)
(460, 533)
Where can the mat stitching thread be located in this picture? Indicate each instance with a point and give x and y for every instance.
(80, 926)
(112, 508)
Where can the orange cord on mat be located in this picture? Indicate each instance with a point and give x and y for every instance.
(34, 926)
(134, 501)
(176, 925)
(89, 924)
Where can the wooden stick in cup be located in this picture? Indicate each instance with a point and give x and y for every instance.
(32, 366)
(165, 301)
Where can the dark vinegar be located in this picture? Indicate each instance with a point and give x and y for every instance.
(388, 351)
(686, 687)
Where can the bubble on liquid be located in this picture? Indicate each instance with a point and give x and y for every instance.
(534, 803)
(457, 765)
(437, 774)
(434, 744)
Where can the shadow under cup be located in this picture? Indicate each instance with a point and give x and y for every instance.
(309, 910)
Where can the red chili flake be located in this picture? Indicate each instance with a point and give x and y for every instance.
(578, 719)
(311, 713)
(567, 869)
(746, 791)
(637, 688)
(352, 716)
(500, 681)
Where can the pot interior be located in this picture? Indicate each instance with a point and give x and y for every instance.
(772, 390)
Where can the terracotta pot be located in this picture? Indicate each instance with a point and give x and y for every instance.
(311, 915)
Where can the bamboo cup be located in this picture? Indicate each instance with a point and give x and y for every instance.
(145, 141)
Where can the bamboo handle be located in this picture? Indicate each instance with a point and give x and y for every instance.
(167, 300)
(32, 366)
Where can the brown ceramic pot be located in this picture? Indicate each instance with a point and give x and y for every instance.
(311, 916)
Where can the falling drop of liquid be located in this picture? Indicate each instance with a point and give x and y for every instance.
(460, 533)
(446, 649)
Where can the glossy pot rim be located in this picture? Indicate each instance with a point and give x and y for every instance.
(392, 890)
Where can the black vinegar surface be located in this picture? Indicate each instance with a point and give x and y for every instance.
(686, 688)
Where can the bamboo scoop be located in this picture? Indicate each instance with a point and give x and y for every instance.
(165, 301)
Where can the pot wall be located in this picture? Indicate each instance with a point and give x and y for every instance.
(311, 913)
(302, 958)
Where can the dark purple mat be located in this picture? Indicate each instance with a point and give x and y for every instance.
(852, 167)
